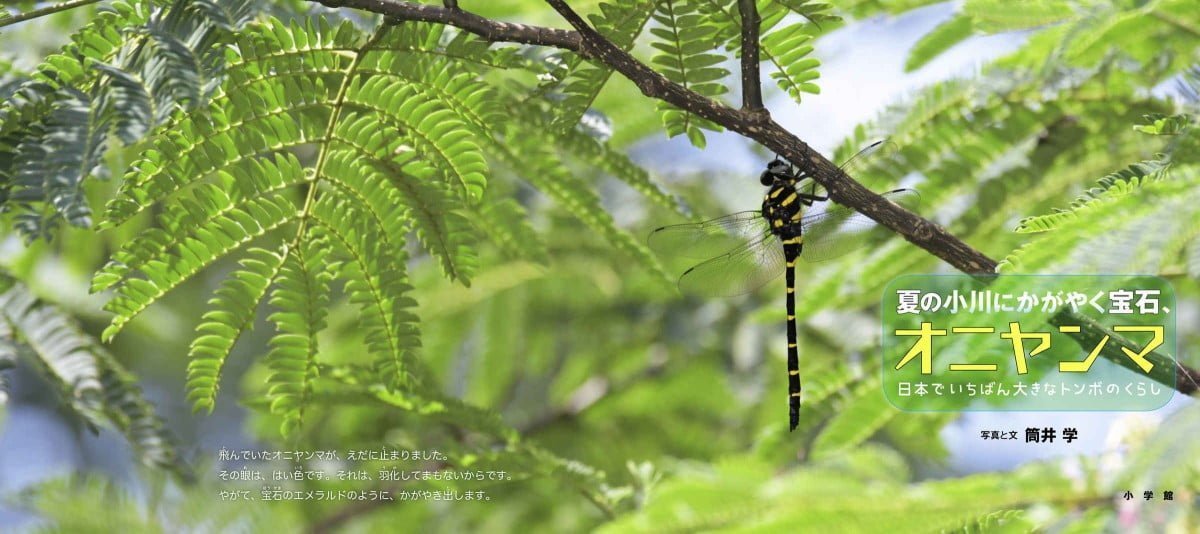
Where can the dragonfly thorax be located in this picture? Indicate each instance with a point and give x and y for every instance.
(783, 208)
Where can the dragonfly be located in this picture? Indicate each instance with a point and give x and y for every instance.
(744, 251)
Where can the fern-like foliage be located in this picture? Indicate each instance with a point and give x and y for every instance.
(1143, 223)
(1145, 210)
(91, 382)
(579, 82)
(742, 492)
(52, 168)
(687, 59)
(326, 145)
(231, 313)
(785, 47)
(303, 286)
(1085, 32)
(788, 47)
(228, 140)
(940, 39)
(1108, 188)
(59, 124)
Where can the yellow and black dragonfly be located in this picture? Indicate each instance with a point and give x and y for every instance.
(745, 250)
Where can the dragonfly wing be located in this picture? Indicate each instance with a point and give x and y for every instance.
(736, 272)
(839, 230)
(706, 239)
(874, 153)
(879, 151)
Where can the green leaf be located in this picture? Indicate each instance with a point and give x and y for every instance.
(52, 167)
(1007, 15)
(301, 295)
(939, 40)
(87, 379)
(225, 233)
(621, 23)
(124, 74)
(231, 313)
(66, 355)
(864, 414)
(1110, 187)
(379, 285)
(1164, 125)
(686, 44)
(433, 129)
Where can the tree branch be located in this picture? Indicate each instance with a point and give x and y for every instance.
(1092, 333)
(842, 189)
(758, 127)
(488, 29)
(754, 125)
(751, 80)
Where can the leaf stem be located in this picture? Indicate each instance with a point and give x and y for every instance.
(48, 10)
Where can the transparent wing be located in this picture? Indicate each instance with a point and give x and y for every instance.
(706, 239)
(838, 230)
(881, 150)
(736, 272)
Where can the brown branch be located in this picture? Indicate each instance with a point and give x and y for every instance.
(591, 392)
(1165, 371)
(751, 80)
(755, 125)
(488, 29)
(842, 189)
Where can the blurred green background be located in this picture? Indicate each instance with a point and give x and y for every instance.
(615, 403)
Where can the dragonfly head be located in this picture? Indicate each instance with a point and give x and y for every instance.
(775, 169)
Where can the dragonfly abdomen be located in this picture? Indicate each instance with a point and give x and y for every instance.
(782, 208)
(793, 353)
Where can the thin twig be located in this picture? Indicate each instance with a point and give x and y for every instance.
(488, 29)
(590, 393)
(751, 82)
(48, 10)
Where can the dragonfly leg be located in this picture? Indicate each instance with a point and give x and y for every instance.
(808, 199)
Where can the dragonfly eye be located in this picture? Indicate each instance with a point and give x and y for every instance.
(776, 168)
